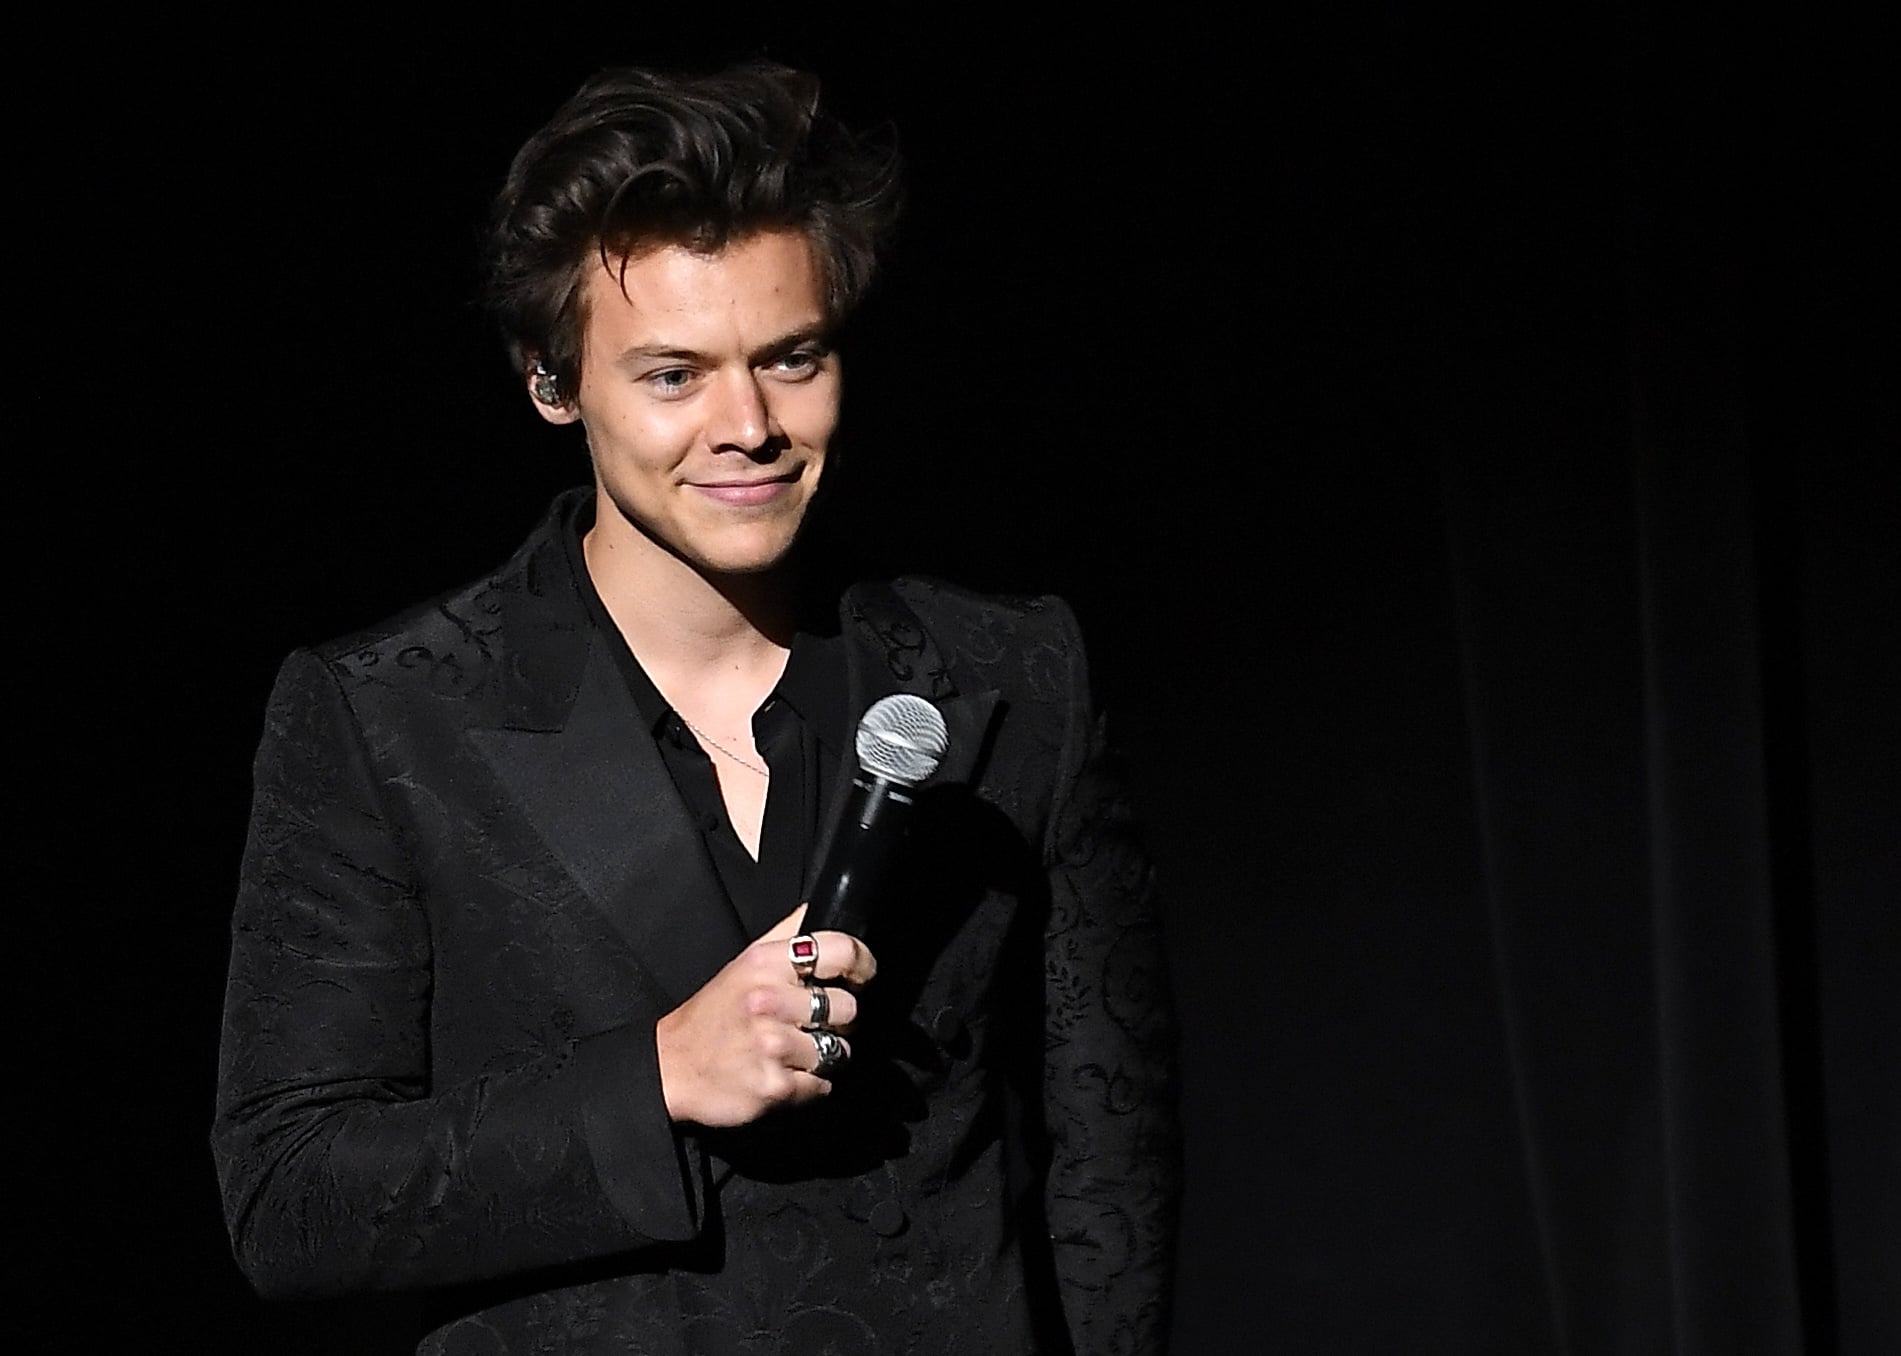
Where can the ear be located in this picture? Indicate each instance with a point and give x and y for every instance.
(538, 383)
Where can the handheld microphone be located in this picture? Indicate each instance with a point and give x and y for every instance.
(901, 740)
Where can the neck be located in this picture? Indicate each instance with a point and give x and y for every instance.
(692, 631)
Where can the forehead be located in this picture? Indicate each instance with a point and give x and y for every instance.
(757, 287)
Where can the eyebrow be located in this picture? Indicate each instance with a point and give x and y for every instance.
(766, 352)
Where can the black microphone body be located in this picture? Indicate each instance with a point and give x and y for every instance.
(900, 742)
(857, 862)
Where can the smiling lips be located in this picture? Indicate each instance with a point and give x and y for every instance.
(746, 492)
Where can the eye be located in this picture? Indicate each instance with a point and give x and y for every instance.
(801, 364)
(671, 381)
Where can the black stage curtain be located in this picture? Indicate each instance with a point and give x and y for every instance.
(1564, 1018)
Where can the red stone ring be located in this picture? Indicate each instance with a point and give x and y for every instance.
(803, 949)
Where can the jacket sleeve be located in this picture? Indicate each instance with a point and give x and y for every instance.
(1114, 1180)
(344, 1166)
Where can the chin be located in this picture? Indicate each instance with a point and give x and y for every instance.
(764, 559)
(742, 569)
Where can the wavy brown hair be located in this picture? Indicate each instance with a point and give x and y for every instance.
(637, 159)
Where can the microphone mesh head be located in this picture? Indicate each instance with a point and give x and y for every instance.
(902, 739)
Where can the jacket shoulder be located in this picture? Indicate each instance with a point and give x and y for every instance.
(1000, 640)
(951, 606)
(452, 645)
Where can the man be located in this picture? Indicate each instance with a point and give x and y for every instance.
(519, 1010)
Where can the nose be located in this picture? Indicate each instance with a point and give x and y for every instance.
(741, 418)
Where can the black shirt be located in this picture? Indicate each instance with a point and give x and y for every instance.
(800, 729)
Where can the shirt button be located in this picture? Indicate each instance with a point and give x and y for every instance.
(710, 823)
(887, 1218)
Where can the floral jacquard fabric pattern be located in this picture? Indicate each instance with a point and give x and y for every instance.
(1114, 1175)
(469, 892)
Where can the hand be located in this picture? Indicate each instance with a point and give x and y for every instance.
(736, 1049)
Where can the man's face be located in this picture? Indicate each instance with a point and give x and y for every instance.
(709, 394)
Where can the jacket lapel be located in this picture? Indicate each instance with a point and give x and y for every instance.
(568, 745)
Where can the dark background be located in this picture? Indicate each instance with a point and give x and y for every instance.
(1469, 450)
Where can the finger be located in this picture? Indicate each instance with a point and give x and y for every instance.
(822, 1005)
(807, 1085)
(813, 958)
(798, 1008)
(830, 1053)
(843, 959)
(854, 963)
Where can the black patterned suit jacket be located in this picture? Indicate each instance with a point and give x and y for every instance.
(469, 892)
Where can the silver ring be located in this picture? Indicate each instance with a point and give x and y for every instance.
(821, 1008)
(802, 950)
(831, 1053)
